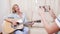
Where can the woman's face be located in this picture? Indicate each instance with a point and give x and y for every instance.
(16, 8)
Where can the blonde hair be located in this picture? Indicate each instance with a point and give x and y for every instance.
(13, 8)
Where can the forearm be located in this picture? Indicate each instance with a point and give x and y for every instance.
(45, 22)
(9, 20)
(49, 28)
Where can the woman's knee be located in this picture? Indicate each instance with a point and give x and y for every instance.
(18, 32)
(26, 29)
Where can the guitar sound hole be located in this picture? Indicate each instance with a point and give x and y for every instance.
(17, 23)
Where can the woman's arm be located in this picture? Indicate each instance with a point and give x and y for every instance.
(50, 28)
(13, 21)
(9, 20)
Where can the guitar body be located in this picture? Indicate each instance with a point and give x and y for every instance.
(7, 27)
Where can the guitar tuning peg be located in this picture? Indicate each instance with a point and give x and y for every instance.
(39, 21)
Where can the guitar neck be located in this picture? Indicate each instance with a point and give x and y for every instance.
(30, 22)
(37, 21)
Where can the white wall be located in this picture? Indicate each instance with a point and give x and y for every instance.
(58, 7)
(4, 10)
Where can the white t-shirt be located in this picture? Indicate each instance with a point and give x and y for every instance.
(57, 20)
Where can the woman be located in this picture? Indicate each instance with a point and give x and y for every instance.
(17, 14)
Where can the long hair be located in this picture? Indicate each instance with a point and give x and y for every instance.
(13, 8)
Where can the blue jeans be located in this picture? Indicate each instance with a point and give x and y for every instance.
(25, 31)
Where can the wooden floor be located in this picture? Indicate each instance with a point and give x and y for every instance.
(38, 28)
(38, 31)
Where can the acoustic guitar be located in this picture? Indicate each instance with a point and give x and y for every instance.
(8, 27)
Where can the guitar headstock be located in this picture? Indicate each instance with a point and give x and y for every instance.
(38, 21)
